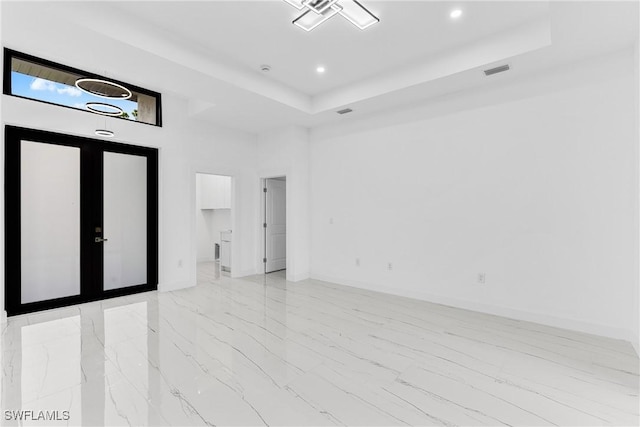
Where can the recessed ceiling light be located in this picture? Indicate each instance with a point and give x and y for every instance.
(456, 13)
(321, 69)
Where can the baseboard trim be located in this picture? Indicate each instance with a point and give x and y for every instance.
(635, 342)
(174, 286)
(243, 273)
(298, 277)
(543, 319)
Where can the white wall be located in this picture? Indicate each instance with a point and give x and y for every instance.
(636, 297)
(204, 235)
(286, 153)
(528, 183)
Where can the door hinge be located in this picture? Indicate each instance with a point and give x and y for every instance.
(265, 190)
(264, 225)
(264, 260)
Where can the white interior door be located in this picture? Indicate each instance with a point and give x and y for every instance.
(276, 221)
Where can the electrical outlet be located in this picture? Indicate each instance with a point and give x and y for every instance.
(481, 277)
(330, 220)
(389, 266)
(357, 262)
(180, 263)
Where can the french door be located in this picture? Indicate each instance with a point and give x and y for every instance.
(81, 219)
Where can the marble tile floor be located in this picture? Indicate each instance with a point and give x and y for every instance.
(263, 351)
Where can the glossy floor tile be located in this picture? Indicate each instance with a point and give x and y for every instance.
(263, 351)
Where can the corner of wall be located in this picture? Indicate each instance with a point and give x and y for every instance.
(286, 151)
(635, 334)
(174, 286)
(243, 273)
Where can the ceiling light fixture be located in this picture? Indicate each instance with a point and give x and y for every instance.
(103, 88)
(357, 14)
(104, 132)
(296, 3)
(321, 69)
(318, 6)
(456, 13)
(318, 11)
(104, 109)
(310, 20)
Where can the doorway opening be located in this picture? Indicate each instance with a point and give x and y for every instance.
(274, 222)
(213, 226)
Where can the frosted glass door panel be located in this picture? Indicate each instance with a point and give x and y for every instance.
(49, 221)
(125, 220)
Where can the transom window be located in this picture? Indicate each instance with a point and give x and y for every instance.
(26, 76)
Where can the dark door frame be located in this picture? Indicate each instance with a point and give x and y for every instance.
(91, 211)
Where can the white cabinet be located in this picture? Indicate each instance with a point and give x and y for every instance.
(215, 192)
(225, 250)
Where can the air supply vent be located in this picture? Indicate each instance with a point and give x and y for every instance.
(345, 111)
(497, 70)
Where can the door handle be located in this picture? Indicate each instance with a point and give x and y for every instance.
(100, 240)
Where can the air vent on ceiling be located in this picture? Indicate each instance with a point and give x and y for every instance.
(497, 70)
(345, 111)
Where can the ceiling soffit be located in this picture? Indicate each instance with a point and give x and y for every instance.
(491, 49)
